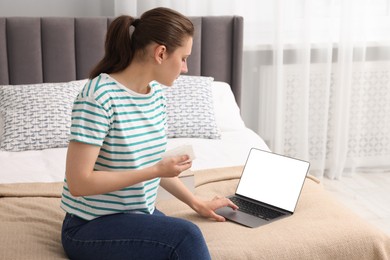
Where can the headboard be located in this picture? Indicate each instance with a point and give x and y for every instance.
(60, 49)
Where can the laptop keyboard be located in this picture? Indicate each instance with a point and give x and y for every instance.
(255, 209)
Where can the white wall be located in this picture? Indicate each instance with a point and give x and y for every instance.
(67, 8)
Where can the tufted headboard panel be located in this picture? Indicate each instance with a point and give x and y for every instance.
(60, 49)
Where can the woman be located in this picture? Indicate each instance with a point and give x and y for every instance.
(114, 165)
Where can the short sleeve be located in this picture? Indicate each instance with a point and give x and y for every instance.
(90, 122)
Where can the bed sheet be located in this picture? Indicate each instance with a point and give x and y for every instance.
(49, 165)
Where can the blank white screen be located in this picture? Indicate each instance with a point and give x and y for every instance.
(273, 179)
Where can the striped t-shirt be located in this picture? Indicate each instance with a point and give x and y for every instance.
(130, 129)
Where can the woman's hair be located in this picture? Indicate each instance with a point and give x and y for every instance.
(160, 25)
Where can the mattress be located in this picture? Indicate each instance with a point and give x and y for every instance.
(49, 165)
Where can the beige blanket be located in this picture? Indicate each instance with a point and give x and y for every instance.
(321, 228)
(30, 221)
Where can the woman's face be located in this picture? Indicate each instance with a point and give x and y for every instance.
(175, 63)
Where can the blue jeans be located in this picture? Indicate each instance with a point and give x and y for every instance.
(133, 236)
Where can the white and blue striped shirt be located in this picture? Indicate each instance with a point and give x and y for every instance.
(130, 129)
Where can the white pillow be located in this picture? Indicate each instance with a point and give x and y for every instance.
(190, 108)
(37, 116)
(227, 112)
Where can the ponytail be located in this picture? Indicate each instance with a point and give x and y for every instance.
(118, 51)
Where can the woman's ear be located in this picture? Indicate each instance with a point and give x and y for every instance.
(160, 53)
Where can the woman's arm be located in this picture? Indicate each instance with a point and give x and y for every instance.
(204, 208)
(82, 180)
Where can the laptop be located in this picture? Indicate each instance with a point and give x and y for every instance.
(268, 189)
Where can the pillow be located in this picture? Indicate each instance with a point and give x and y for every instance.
(1, 126)
(227, 112)
(37, 116)
(190, 110)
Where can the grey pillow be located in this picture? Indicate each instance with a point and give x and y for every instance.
(190, 109)
(36, 116)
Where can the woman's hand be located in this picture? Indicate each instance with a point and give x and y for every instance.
(204, 208)
(172, 166)
(207, 208)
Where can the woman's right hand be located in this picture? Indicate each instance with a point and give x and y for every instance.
(172, 166)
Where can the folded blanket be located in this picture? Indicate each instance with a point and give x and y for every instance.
(31, 190)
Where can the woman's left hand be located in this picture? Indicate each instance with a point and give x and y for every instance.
(207, 208)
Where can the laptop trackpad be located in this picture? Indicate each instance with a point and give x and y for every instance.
(241, 217)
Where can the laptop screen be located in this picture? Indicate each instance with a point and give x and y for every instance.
(273, 179)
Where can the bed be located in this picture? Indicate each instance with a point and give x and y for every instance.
(43, 64)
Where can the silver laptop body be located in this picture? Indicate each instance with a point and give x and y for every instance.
(269, 180)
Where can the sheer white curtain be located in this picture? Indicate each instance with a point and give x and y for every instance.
(316, 76)
(325, 94)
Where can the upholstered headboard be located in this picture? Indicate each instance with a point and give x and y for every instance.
(60, 49)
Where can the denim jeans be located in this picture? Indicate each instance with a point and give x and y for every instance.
(133, 236)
